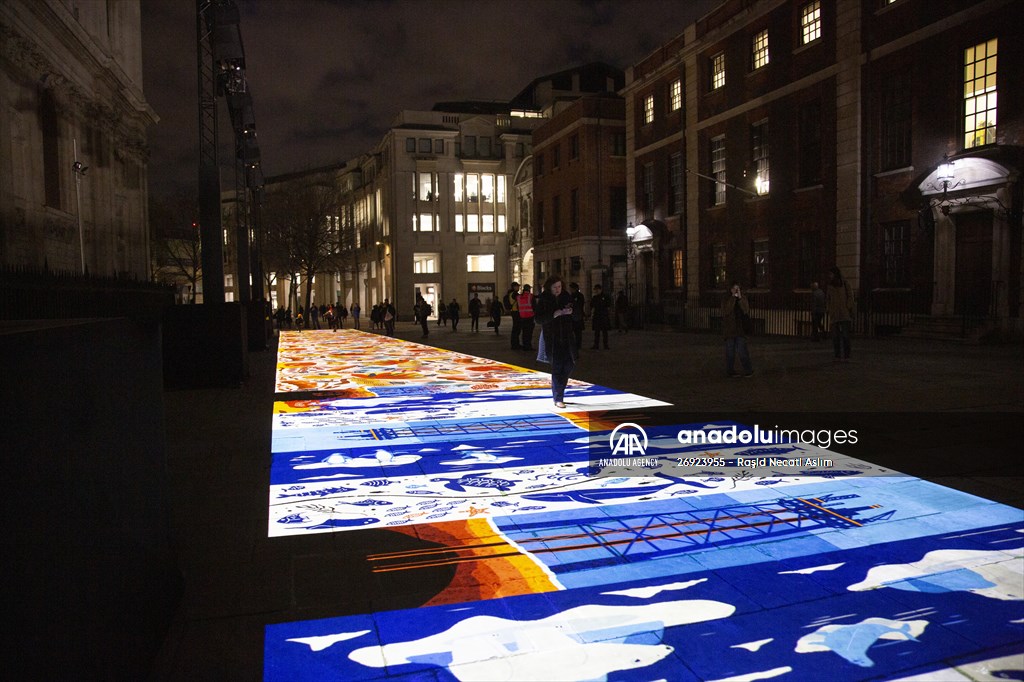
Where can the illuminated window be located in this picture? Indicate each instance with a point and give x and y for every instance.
(502, 225)
(810, 22)
(718, 71)
(487, 188)
(426, 222)
(760, 50)
(472, 223)
(718, 170)
(426, 187)
(718, 271)
(980, 94)
(675, 95)
(423, 263)
(459, 187)
(649, 109)
(472, 187)
(487, 223)
(759, 155)
(761, 271)
(677, 268)
(501, 189)
(460, 222)
(483, 262)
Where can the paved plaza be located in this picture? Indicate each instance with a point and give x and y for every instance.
(283, 590)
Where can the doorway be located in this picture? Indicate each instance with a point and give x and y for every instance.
(973, 263)
(431, 293)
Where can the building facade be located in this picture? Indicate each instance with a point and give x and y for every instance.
(73, 118)
(879, 136)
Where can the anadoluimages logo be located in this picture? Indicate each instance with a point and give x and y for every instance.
(628, 440)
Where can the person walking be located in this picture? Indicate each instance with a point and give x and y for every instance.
(314, 317)
(355, 315)
(389, 315)
(579, 305)
(735, 323)
(453, 314)
(526, 321)
(342, 314)
(818, 301)
(554, 311)
(496, 310)
(600, 316)
(511, 303)
(422, 310)
(622, 313)
(840, 305)
(474, 313)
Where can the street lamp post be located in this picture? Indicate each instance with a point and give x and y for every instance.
(79, 169)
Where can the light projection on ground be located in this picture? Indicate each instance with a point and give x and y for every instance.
(545, 568)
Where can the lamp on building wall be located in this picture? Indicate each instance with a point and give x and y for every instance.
(639, 239)
(945, 181)
(79, 169)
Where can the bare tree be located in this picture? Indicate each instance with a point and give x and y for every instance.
(177, 249)
(300, 220)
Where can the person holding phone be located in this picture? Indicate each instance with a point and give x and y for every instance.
(553, 310)
(735, 313)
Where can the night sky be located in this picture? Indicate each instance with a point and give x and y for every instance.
(328, 77)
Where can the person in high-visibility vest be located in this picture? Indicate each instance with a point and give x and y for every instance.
(526, 321)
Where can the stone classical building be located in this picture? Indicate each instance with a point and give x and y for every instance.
(73, 123)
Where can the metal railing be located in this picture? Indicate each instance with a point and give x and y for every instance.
(28, 293)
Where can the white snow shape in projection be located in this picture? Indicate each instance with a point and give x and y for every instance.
(653, 590)
(581, 643)
(321, 642)
(988, 573)
(853, 641)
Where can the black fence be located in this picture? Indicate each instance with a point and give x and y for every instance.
(38, 294)
(879, 312)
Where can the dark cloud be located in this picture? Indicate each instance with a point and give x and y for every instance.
(329, 77)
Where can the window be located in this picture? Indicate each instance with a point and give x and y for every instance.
(574, 148)
(439, 147)
(472, 187)
(556, 214)
(807, 259)
(472, 223)
(675, 184)
(424, 145)
(556, 156)
(718, 271)
(539, 164)
(647, 178)
(425, 263)
(487, 188)
(675, 95)
(469, 145)
(809, 147)
(980, 94)
(501, 189)
(718, 71)
(539, 208)
(574, 210)
(759, 156)
(677, 268)
(460, 222)
(426, 188)
(896, 254)
(484, 146)
(759, 57)
(483, 262)
(459, 193)
(761, 272)
(649, 109)
(810, 22)
(426, 222)
(718, 170)
(410, 144)
(487, 222)
(894, 121)
(502, 225)
(618, 144)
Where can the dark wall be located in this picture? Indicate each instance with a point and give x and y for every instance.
(88, 574)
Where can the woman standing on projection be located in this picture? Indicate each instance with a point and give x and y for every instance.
(553, 311)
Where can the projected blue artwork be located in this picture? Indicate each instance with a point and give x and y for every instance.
(566, 568)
